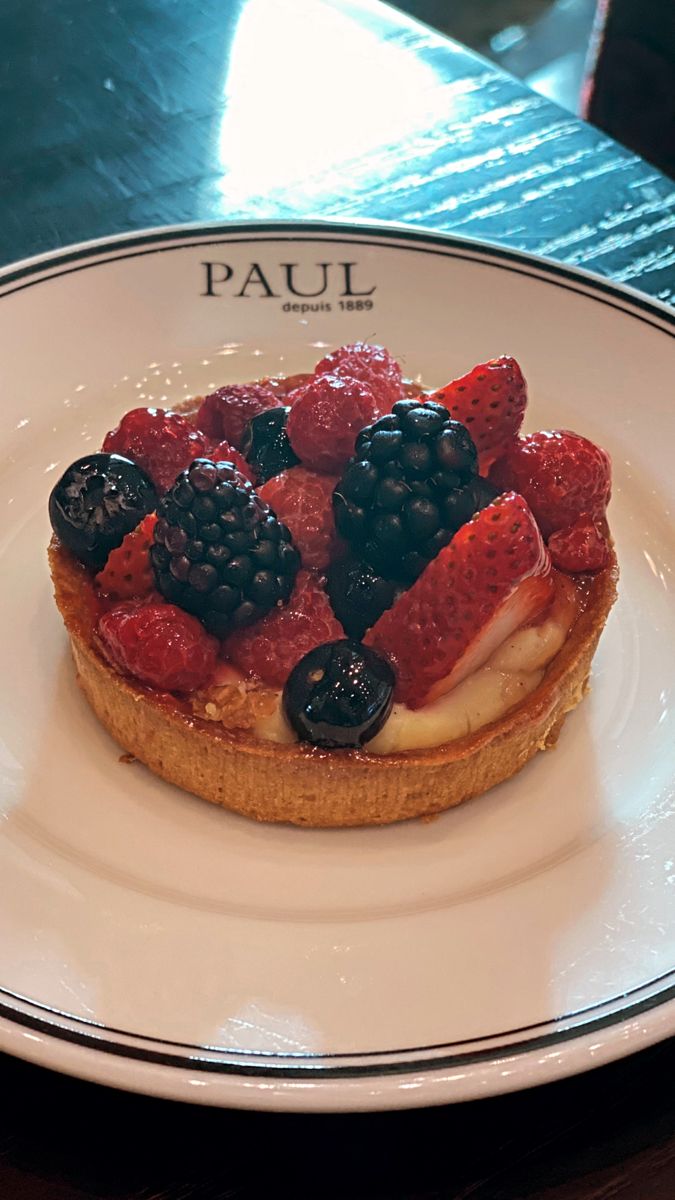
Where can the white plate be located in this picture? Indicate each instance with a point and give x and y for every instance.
(150, 941)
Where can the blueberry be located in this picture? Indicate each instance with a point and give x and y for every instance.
(358, 595)
(97, 501)
(339, 695)
(266, 445)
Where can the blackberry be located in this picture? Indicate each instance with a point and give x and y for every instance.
(358, 595)
(407, 489)
(339, 695)
(219, 551)
(97, 502)
(266, 446)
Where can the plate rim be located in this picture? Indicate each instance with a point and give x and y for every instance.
(624, 1032)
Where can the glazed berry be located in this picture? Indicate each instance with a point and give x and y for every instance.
(219, 552)
(97, 501)
(303, 500)
(225, 413)
(358, 595)
(490, 400)
(159, 644)
(372, 365)
(339, 695)
(161, 443)
(224, 452)
(270, 649)
(127, 574)
(325, 417)
(580, 547)
(266, 446)
(562, 475)
(404, 493)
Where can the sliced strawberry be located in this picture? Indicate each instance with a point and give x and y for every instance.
(490, 401)
(303, 500)
(580, 547)
(493, 577)
(270, 649)
(224, 452)
(127, 574)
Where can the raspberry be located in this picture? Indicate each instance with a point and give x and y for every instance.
(161, 442)
(225, 413)
(224, 452)
(303, 500)
(561, 475)
(159, 644)
(494, 576)
(372, 365)
(325, 419)
(490, 400)
(127, 574)
(270, 649)
(580, 547)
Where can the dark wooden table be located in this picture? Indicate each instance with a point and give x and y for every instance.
(121, 114)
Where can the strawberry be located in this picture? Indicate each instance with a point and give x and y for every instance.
(224, 452)
(127, 574)
(270, 649)
(225, 413)
(490, 400)
(494, 576)
(561, 475)
(372, 365)
(159, 644)
(327, 414)
(161, 442)
(579, 547)
(303, 500)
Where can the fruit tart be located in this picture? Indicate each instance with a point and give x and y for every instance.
(336, 599)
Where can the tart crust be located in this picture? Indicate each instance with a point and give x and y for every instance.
(305, 785)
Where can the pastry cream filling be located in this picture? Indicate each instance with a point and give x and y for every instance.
(515, 669)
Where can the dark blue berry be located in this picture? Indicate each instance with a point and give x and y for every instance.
(97, 502)
(339, 695)
(266, 445)
(358, 595)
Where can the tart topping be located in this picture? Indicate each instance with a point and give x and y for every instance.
(161, 443)
(580, 547)
(493, 577)
(339, 695)
(561, 475)
(159, 644)
(224, 452)
(358, 595)
(266, 446)
(372, 365)
(327, 414)
(271, 648)
(219, 552)
(127, 574)
(408, 488)
(490, 400)
(303, 500)
(97, 501)
(225, 413)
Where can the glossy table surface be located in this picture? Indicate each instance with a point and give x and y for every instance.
(125, 114)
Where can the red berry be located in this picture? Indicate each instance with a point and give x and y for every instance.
(225, 413)
(326, 417)
(303, 500)
(372, 365)
(159, 644)
(162, 443)
(270, 649)
(494, 576)
(224, 452)
(490, 401)
(579, 547)
(561, 475)
(127, 574)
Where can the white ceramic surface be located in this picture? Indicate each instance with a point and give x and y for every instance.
(152, 942)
